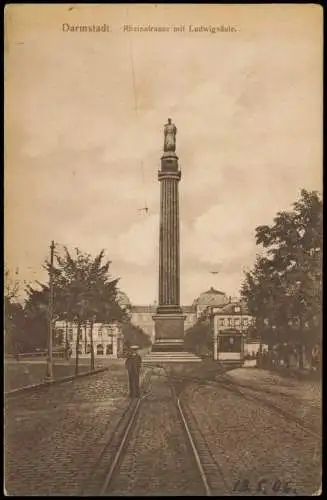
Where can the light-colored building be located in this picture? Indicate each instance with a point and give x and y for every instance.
(233, 316)
(142, 316)
(107, 338)
(252, 347)
(190, 316)
(210, 298)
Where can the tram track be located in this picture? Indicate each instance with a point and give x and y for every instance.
(125, 462)
(124, 467)
(113, 446)
(208, 468)
(262, 402)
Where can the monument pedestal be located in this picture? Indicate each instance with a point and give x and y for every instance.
(169, 329)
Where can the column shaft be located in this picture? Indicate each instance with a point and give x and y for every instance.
(169, 243)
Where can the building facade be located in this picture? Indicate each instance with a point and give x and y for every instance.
(231, 316)
(142, 316)
(107, 338)
(210, 298)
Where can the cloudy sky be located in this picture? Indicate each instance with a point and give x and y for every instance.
(81, 158)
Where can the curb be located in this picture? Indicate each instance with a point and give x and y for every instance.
(58, 381)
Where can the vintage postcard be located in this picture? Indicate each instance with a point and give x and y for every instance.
(163, 249)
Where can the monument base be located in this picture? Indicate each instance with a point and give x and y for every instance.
(169, 332)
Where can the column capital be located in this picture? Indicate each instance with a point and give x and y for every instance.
(175, 176)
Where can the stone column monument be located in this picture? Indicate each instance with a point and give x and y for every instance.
(169, 318)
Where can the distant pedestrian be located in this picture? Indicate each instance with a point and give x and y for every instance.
(133, 365)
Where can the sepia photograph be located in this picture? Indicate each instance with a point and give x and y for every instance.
(163, 233)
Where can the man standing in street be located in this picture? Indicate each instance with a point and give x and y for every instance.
(133, 365)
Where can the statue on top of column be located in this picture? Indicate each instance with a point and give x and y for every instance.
(170, 132)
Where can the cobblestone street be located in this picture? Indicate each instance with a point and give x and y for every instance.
(301, 398)
(158, 460)
(253, 447)
(55, 437)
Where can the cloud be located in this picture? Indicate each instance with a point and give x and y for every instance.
(81, 160)
(139, 244)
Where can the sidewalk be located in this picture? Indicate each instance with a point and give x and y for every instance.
(19, 374)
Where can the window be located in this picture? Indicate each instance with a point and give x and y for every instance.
(59, 333)
(237, 321)
(245, 322)
(222, 321)
(230, 322)
(229, 343)
(100, 350)
(109, 350)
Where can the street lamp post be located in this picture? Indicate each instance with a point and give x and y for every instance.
(49, 372)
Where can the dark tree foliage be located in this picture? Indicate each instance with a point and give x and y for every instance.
(284, 288)
(83, 292)
(198, 338)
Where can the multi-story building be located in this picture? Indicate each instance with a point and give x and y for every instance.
(107, 338)
(142, 316)
(234, 315)
(231, 316)
(210, 298)
(190, 316)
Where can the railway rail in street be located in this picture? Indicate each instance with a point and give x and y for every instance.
(119, 453)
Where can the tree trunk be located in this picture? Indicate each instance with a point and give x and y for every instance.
(92, 347)
(66, 340)
(301, 356)
(77, 346)
(300, 347)
(85, 338)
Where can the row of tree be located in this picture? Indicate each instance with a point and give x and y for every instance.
(284, 289)
(84, 292)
